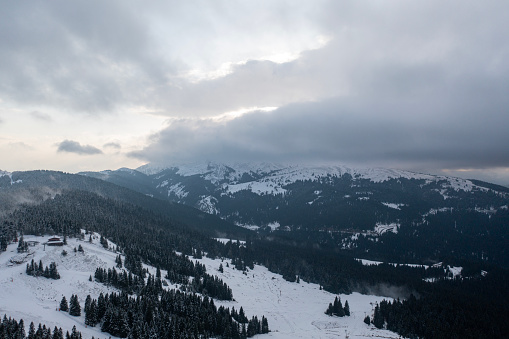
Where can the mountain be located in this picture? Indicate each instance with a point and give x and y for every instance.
(289, 272)
(383, 214)
(35, 187)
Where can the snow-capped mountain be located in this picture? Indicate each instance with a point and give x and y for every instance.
(350, 204)
(271, 178)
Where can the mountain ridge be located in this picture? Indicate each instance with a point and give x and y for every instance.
(386, 214)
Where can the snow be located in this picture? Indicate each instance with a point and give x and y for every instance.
(178, 190)
(9, 174)
(393, 205)
(295, 310)
(366, 262)
(207, 204)
(36, 298)
(258, 187)
(249, 227)
(274, 177)
(274, 225)
(226, 240)
(382, 228)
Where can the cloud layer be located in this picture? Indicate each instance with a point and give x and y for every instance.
(418, 85)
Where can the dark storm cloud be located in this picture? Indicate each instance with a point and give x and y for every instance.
(343, 131)
(71, 146)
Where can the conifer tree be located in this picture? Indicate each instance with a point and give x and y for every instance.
(74, 306)
(378, 319)
(21, 330)
(265, 325)
(31, 331)
(64, 306)
(347, 308)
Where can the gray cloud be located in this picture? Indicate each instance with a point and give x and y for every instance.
(85, 56)
(75, 147)
(41, 116)
(407, 85)
(95, 57)
(347, 131)
(419, 85)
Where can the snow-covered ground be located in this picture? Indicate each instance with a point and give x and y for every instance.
(293, 310)
(37, 298)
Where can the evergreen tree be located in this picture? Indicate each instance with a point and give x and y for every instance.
(20, 333)
(118, 261)
(378, 319)
(53, 273)
(31, 331)
(265, 325)
(63, 305)
(347, 308)
(91, 315)
(74, 306)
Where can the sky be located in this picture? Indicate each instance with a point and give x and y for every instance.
(415, 85)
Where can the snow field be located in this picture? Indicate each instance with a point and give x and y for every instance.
(295, 310)
(37, 298)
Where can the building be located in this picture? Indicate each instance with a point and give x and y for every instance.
(55, 241)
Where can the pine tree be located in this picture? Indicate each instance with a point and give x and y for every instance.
(21, 330)
(118, 261)
(74, 306)
(347, 308)
(53, 273)
(265, 325)
(91, 314)
(31, 331)
(57, 334)
(63, 305)
(378, 319)
(74, 333)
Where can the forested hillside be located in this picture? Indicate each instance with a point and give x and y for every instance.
(146, 233)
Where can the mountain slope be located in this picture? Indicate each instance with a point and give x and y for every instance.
(34, 187)
(392, 214)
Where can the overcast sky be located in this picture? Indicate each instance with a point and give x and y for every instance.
(418, 85)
